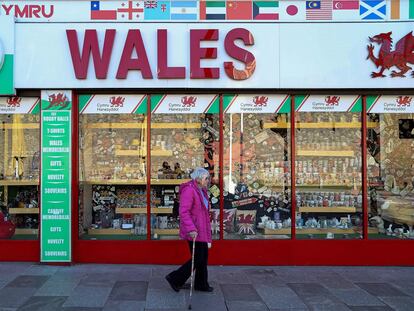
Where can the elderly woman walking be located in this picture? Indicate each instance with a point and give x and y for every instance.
(194, 224)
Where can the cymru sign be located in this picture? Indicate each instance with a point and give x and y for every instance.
(6, 55)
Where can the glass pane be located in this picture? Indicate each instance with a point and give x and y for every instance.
(112, 172)
(257, 196)
(19, 173)
(390, 147)
(179, 143)
(328, 175)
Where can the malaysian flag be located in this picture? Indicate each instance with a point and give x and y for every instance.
(319, 10)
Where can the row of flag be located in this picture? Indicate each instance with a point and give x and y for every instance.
(284, 10)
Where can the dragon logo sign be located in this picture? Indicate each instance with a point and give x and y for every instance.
(332, 100)
(117, 101)
(387, 58)
(188, 101)
(260, 101)
(13, 102)
(403, 101)
(58, 100)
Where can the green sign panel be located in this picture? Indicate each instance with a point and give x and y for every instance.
(56, 177)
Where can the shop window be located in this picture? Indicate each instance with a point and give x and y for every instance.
(19, 168)
(328, 168)
(390, 149)
(184, 135)
(257, 192)
(112, 167)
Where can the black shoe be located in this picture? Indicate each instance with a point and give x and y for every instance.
(173, 286)
(208, 289)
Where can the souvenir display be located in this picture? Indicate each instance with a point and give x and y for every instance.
(19, 147)
(328, 174)
(180, 143)
(391, 174)
(257, 173)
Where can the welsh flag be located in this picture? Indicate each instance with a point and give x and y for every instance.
(266, 10)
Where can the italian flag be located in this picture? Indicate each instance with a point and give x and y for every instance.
(266, 10)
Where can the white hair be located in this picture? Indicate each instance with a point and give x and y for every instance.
(199, 173)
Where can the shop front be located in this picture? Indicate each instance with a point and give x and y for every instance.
(308, 138)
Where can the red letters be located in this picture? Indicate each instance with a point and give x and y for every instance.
(238, 53)
(165, 72)
(134, 41)
(90, 45)
(134, 45)
(197, 53)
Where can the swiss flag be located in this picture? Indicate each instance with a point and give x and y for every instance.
(236, 10)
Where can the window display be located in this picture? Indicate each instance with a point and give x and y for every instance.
(19, 167)
(112, 167)
(328, 168)
(256, 167)
(390, 149)
(184, 135)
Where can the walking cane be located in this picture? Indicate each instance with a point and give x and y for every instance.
(192, 275)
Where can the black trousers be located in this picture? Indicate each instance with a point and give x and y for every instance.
(180, 276)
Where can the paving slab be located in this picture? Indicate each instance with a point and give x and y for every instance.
(28, 281)
(309, 289)
(12, 297)
(372, 308)
(239, 292)
(229, 277)
(86, 296)
(357, 297)
(279, 297)
(112, 305)
(129, 290)
(163, 299)
(381, 289)
(99, 279)
(41, 270)
(44, 303)
(246, 306)
(81, 309)
(58, 286)
(399, 303)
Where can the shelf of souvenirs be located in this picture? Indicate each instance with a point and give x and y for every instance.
(327, 186)
(24, 126)
(112, 231)
(142, 153)
(119, 125)
(19, 182)
(333, 209)
(22, 210)
(141, 182)
(143, 210)
(24, 231)
(325, 153)
(320, 125)
(319, 231)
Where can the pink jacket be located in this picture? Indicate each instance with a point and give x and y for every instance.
(194, 216)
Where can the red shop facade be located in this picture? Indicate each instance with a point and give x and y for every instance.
(310, 158)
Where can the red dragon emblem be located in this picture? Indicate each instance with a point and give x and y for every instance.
(260, 101)
(58, 100)
(117, 101)
(13, 101)
(332, 100)
(189, 101)
(402, 54)
(404, 101)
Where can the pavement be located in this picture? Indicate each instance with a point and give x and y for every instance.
(31, 286)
